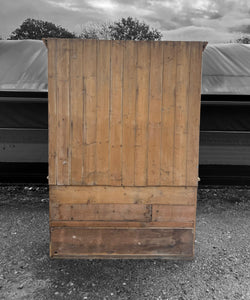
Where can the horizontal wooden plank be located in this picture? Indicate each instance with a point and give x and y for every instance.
(101, 212)
(126, 256)
(137, 195)
(124, 224)
(75, 241)
(173, 213)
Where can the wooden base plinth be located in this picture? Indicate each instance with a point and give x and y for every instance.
(138, 225)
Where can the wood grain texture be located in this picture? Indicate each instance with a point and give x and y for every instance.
(115, 150)
(123, 147)
(70, 241)
(173, 213)
(181, 111)
(52, 110)
(101, 212)
(128, 114)
(76, 111)
(155, 107)
(137, 195)
(142, 108)
(63, 113)
(123, 224)
(168, 113)
(192, 159)
(90, 111)
(102, 112)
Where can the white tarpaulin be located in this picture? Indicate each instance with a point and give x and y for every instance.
(226, 67)
(23, 66)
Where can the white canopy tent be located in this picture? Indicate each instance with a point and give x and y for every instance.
(23, 66)
(226, 67)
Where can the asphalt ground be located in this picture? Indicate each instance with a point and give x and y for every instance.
(220, 269)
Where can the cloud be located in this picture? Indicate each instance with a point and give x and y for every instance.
(69, 14)
(245, 28)
(189, 19)
(193, 33)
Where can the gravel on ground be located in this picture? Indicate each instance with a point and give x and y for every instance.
(220, 269)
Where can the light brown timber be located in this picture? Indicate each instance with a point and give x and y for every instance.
(67, 241)
(142, 108)
(123, 147)
(76, 111)
(102, 112)
(52, 110)
(116, 98)
(128, 113)
(181, 105)
(123, 195)
(90, 112)
(168, 113)
(101, 212)
(124, 224)
(155, 107)
(192, 159)
(173, 213)
(63, 115)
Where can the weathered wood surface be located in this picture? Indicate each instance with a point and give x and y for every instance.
(119, 242)
(89, 124)
(123, 147)
(123, 224)
(116, 100)
(173, 213)
(101, 212)
(122, 212)
(62, 138)
(192, 159)
(52, 108)
(124, 112)
(123, 195)
(76, 112)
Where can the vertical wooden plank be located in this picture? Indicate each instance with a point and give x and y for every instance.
(102, 110)
(155, 103)
(194, 114)
(129, 96)
(143, 76)
(89, 68)
(168, 113)
(76, 99)
(181, 112)
(63, 104)
(115, 151)
(52, 111)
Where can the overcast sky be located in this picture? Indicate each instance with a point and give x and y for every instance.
(211, 20)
